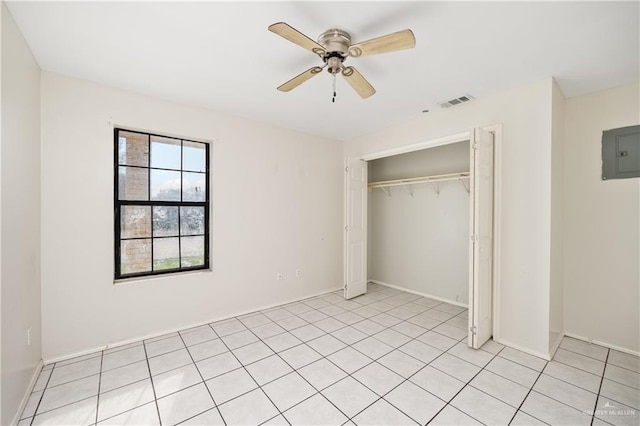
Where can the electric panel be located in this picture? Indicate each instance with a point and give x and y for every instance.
(621, 153)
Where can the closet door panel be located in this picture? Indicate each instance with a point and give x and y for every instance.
(355, 229)
(480, 315)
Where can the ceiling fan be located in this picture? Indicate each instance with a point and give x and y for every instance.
(334, 47)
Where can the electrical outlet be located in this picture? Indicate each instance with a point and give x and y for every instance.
(29, 336)
(279, 276)
(298, 272)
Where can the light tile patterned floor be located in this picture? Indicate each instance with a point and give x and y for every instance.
(386, 358)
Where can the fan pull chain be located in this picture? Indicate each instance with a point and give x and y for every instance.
(334, 89)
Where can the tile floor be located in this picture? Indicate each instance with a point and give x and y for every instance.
(385, 358)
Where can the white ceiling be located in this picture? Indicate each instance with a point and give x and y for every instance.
(221, 56)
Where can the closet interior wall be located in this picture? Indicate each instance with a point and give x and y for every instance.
(418, 234)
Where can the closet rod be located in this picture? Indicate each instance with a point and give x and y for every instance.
(416, 180)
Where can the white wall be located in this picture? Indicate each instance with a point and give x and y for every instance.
(524, 271)
(421, 242)
(450, 158)
(20, 212)
(276, 206)
(556, 282)
(602, 231)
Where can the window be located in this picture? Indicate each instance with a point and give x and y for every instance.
(161, 204)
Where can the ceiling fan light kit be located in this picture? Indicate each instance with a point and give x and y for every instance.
(334, 47)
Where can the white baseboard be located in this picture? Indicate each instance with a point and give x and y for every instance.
(419, 293)
(25, 398)
(605, 344)
(546, 357)
(173, 330)
(554, 347)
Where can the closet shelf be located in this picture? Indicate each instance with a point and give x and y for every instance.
(416, 180)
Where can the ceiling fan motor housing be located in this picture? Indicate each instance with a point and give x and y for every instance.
(336, 42)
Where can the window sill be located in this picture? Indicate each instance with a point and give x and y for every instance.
(160, 276)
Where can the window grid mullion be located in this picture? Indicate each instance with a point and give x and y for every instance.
(133, 166)
(181, 199)
(149, 198)
(161, 237)
(162, 203)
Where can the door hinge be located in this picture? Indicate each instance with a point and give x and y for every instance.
(475, 145)
(346, 169)
(346, 286)
(474, 237)
(473, 329)
(346, 228)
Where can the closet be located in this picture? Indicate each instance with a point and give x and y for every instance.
(418, 222)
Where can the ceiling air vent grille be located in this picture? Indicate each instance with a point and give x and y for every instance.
(456, 101)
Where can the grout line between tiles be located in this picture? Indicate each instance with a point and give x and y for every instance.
(71, 381)
(394, 349)
(116, 349)
(203, 382)
(200, 343)
(120, 387)
(326, 357)
(246, 371)
(65, 405)
(527, 395)
(153, 388)
(199, 414)
(381, 301)
(551, 398)
(569, 383)
(125, 365)
(447, 403)
(127, 411)
(35, 413)
(582, 354)
(570, 406)
(593, 415)
(295, 370)
(524, 412)
(494, 396)
(507, 378)
(578, 368)
(99, 384)
(556, 400)
(71, 361)
(174, 334)
(623, 368)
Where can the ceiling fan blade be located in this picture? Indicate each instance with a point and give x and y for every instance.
(295, 36)
(388, 43)
(358, 82)
(299, 79)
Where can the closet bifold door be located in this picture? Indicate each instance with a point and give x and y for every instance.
(481, 238)
(355, 271)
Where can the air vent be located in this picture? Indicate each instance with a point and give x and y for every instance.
(456, 101)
